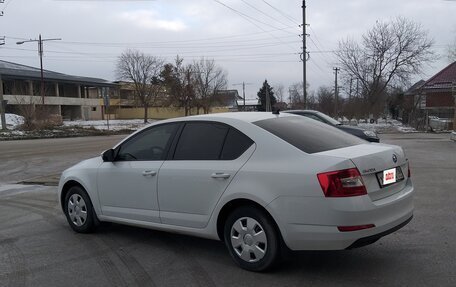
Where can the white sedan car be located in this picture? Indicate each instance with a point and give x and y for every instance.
(257, 181)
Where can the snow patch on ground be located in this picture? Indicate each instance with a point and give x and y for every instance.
(7, 189)
(12, 121)
(114, 125)
(387, 126)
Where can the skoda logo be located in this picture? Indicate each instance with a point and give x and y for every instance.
(394, 158)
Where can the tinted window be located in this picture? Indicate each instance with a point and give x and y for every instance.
(327, 118)
(201, 141)
(235, 145)
(319, 117)
(313, 117)
(308, 135)
(151, 144)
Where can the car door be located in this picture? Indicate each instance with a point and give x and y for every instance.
(127, 187)
(205, 160)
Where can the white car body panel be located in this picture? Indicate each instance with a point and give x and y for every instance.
(188, 192)
(128, 189)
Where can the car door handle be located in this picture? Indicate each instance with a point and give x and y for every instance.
(149, 173)
(220, 175)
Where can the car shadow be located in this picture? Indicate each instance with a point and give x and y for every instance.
(214, 252)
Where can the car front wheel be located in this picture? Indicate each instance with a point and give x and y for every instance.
(79, 210)
(252, 239)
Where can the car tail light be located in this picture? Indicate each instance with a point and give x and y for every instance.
(354, 228)
(342, 183)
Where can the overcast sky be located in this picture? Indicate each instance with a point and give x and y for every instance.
(252, 40)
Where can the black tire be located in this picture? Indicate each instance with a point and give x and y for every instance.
(245, 247)
(85, 224)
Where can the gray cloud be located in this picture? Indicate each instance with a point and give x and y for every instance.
(95, 32)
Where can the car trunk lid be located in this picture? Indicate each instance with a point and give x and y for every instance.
(372, 160)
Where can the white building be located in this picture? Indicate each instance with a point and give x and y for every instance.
(72, 97)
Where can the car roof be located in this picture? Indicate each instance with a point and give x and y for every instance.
(305, 111)
(249, 117)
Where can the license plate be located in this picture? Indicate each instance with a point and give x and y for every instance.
(389, 176)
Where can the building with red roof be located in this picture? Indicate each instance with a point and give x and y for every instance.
(436, 96)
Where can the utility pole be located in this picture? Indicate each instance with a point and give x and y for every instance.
(40, 53)
(336, 92)
(304, 53)
(243, 91)
(2, 107)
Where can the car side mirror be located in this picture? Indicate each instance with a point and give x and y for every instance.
(108, 155)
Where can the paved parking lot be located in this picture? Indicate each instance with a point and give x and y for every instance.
(37, 247)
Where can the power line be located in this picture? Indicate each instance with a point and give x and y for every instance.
(267, 15)
(282, 13)
(319, 53)
(179, 50)
(198, 40)
(323, 52)
(6, 6)
(245, 17)
(316, 38)
(221, 60)
(317, 66)
(167, 45)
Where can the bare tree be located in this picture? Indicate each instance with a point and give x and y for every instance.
(177, 78)
(279, 92)
(325, 97)
(208, 80)
(297, 96)
(388, 54)
(452, 51)
(142, 71)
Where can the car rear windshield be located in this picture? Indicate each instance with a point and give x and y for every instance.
(308, 135)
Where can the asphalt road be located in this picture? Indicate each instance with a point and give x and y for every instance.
(29, 159)
(37, 247)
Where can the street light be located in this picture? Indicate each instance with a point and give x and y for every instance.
(40, 53)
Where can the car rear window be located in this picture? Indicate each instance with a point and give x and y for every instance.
(308, 135)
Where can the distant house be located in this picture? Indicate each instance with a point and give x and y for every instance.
(127, 98)
(436, 96)
(72, 97)
(227, 99)
(249, 104)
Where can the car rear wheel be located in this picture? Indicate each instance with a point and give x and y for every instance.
(79, 210)
(252, 239)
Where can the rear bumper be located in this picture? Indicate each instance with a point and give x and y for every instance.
(373, 238)
(310, 223)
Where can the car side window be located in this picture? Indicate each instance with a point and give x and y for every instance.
(236, 144)
(201, 141)
(152, 144)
